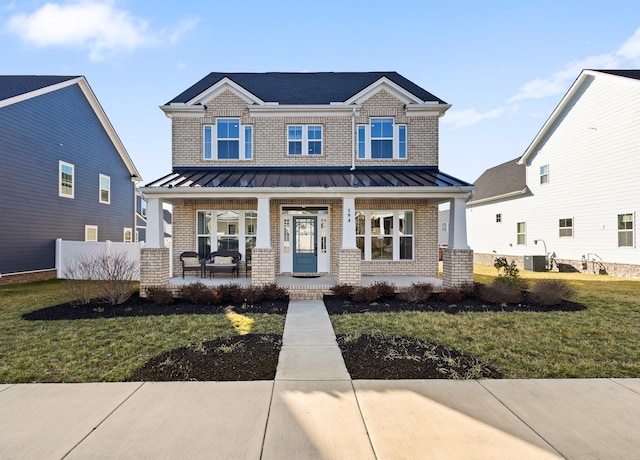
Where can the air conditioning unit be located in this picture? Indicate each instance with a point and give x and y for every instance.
(535, 263)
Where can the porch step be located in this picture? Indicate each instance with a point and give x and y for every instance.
(296, 294)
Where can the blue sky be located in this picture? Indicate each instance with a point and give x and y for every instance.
(503, 65)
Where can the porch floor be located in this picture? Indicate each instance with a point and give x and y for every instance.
(320, 283)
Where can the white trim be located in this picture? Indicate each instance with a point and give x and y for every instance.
(394, 235)
(73, 179)
(214, 140)
(383, 83)
(86, 234)
(305, 140)
(124, 234)
(517, 193)
(312, 110)
(108, 201)
(220, 87)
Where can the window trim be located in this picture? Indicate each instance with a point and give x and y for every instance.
(544, 176)
(87, 228)
(568, 229)
(241, 232)
(368, 235)
(523, 234)
(108, 189)
(305, 140)
(210, 141)
(400, 149)
(62, 164)
(631, 230)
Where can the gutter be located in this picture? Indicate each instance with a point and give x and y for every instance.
(505, 196)
(353, 139)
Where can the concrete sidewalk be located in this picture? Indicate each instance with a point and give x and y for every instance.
(314, 411)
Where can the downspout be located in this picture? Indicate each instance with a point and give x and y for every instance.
(353, 139)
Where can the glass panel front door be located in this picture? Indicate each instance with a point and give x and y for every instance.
(305, 247)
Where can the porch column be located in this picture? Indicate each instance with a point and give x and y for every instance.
(263, 257)
(154, 257)
(458, 224)
(349, 260)
(155, 224)
(457, 260)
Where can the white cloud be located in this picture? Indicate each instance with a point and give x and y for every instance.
(183, 27)
(469, 117)
(630, 50)
(97, 26)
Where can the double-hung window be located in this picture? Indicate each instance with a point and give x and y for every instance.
(544, 174)
(228, 140)
(385, 235)
(382, 139)
(105, 189)
(521, 233)
(625, 230)
(66, 179)
(304, 140)
(566, 227)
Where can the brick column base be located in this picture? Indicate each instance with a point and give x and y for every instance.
(457, 266)
(263, 266)
(154, 268)
(349, 267)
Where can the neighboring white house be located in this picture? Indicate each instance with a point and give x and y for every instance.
(574, 195)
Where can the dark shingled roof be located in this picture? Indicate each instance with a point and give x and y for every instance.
(635, 74)
(305, 88)
(500, 180)
(15, 85)
(275, 177)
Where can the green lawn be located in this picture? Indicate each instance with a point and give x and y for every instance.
(96, 349)
(601, 341)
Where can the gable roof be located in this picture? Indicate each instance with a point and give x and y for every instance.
(584, 78)
(502, 181)
(304, 88)
(17, 88)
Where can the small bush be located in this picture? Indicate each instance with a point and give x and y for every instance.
(342, 290)
(230, 293)
(470, 290)
(250, 295)
(273, 292)
(551, 292)
(198, 293)
(384, 289)
(160, 295)
(451, 295)
(418, 292)
(501, 291)
(366, 294)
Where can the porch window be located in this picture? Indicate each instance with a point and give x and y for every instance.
(226, 231)
(385, 235)
(226, 139)
(625, 230)
(304, 140)
(382, 139)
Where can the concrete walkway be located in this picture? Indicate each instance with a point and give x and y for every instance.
(314, 411)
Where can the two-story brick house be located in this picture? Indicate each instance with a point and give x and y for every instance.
(327, 173)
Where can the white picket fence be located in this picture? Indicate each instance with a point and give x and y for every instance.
(69, 253)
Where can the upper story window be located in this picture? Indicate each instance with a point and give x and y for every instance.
(304, 140)
(105, 189)
(521, 232)
(66, 179)
(625, 230)
(382, 139)
(544, 174)
(228, 140)
(498, 218)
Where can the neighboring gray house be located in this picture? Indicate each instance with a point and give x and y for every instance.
(574, 195)
(64, 173)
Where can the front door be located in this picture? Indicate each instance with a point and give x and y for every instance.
(305, 247)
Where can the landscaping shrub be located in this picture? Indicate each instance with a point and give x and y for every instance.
(366, 294)
(551, 292)
(451, 294)
(250, 295)
(501, 291)
(230, 293)
(198, 293)
(273, 292)
(470, 290)
(418, 292)
(342, 290)
(160, 295)
(384, 289)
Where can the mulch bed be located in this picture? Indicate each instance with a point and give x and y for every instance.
(244, 357)
(137, 306)
(388, 357)
(338, 306)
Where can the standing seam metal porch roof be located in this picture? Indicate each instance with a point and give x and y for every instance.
(278, 177)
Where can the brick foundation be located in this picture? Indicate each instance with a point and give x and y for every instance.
(457, 267)
(154, 268)
(263, 266)
(349, 267)
(27, 277)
